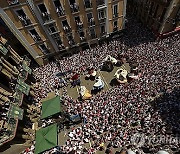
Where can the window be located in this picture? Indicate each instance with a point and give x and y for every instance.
(101, 14)
(73, 5)
(102, 29)
(44, 49)
(87, 4)
(100, 2)
(59, 9)
(115, 24)
(52, 28)
(79, 24)
(90, 19)
(44, 12)
(66, 26)
(23, 17)
(34, 35)
(92, 33)
(115, 10)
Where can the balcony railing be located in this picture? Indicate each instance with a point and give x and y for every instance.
(13, 2)
(88, 5)
(46, 17)
(74, 7)
(25, 20)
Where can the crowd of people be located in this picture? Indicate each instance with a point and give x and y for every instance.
(148, 106)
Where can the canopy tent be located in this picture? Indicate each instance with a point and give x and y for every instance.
(46, 138)
(51, 107)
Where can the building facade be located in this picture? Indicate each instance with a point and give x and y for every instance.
(15, 90)
(56, 27)
(161, 16)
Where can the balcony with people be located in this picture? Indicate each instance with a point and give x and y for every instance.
(79, 24)
(23, 18)
(59, 10)
(91, 21)
(71, 40)
(44, 13)
(73, 6)
(35, 35)
(102, 15)
(66, 26)
(82, 37)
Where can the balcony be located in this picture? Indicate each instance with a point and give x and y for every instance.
(24, 20)
(46, 17)
(100, 2)
(88, 4)
(36, 38)
(67, 29)
(74, 8)
(13, 2)
(60, 12)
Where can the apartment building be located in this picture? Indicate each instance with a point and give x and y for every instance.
(161, 16)
(56, 27)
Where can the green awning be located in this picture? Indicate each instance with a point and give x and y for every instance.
(15, 112)
(51, 107)
(26, 68)
(23, 87)
(3, 50)
(46, 138)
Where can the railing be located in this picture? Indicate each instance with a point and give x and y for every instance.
(74, 7)
(13, 2)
